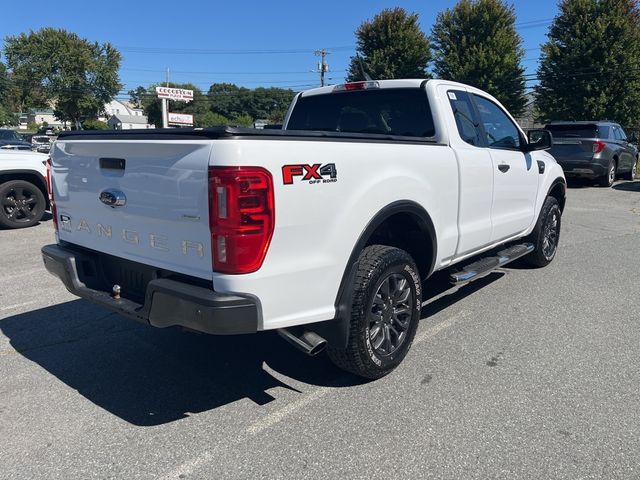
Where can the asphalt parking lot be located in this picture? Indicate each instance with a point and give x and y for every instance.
(525, 374)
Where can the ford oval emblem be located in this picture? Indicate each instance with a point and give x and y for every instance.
(113, 198)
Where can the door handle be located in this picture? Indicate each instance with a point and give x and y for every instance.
(503, 167)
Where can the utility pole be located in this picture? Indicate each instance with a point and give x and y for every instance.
(323, 66)
(165, 115)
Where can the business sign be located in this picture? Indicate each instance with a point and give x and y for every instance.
(179, 94)
(180, 118)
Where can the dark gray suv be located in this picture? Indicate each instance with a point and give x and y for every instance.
(595, 150)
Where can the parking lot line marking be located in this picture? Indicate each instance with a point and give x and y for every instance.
(287, 410)
(277, 416)
(31, 271)
(18, 305)
(436, 329)
(188, 467)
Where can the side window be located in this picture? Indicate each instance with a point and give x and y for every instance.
(620, 135)
(616, 133)
(603, 131)
(466, 119)
(501, 132)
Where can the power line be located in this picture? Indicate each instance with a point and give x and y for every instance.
(194, 51)
(223, 73)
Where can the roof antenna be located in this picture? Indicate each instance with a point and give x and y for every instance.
(366, 76)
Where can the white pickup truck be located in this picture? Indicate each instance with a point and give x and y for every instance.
(323, 230)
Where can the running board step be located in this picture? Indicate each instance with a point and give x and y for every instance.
(486, 265)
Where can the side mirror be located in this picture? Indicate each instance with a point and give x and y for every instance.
(633, 138)
(538, 140)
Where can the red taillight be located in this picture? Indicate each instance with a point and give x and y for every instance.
(54, 210)
(241, 217)
(598, 146)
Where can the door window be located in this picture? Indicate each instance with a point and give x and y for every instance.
(466, 119)
(619, 134)
(500, 131)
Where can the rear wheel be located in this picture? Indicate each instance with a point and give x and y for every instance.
(22, 204)
(634, 171)
(610, 177)
(545, 235)
(385, 310)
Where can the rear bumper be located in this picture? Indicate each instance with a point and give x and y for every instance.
(581, 168)
(167, 303)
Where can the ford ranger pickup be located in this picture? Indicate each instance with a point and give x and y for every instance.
(323, 230)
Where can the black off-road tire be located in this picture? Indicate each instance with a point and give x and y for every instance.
(378, 264)
(610, 177)
(547, 230)
(22, 204)
(631, 175)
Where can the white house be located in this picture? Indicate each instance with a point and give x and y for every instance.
(121, 116)
(128, 122)
(43, 115)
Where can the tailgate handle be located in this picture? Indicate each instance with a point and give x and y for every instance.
(112, 163)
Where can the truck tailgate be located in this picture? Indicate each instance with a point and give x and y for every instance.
(163, 188)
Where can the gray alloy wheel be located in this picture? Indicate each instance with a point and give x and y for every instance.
(608, 179)
(550, 234)
(384, 307)
(390, 314)
(634, 171)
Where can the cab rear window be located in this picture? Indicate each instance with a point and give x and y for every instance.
(403, 112)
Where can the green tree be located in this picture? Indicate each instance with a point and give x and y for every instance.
(392, 45)
(590, 65)
(270, 103)
(53, 64)
(238, 103)
(476, 43)
(229, 100)
(137, 96)
(210, 119)
(93, 124)
(7, 111)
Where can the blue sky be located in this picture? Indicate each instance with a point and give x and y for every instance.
(250, 43)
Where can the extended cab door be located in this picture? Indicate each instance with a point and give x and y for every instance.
(515, 177)
(475, 172)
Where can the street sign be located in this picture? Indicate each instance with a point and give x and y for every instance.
(179, 94)
(180, 118)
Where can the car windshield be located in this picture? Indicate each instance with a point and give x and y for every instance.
(9, 135)
(573, 131)
(402, 112)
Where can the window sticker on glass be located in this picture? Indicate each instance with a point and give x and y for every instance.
(452, 96)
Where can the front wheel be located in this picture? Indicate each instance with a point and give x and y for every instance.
(545, 235)
(385, 310)
(22, 204)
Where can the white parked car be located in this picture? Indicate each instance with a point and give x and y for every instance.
(23, 188)
(323, 230)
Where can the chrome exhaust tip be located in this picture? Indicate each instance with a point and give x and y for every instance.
(309, 342)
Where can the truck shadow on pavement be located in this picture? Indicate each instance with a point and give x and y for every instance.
(628, 186)
(148, 376)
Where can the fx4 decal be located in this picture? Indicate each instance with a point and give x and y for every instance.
(316, 173)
